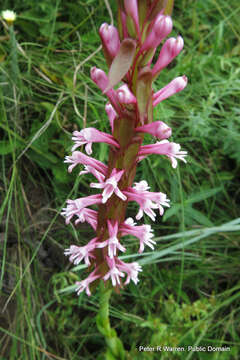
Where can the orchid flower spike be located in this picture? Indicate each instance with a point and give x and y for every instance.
(130, 99)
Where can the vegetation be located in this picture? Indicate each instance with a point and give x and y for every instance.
(189, 290)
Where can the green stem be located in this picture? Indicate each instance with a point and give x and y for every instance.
(115, 349)
(14, 57)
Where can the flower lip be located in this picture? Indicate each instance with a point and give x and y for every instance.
(78, 253)
(114, 273)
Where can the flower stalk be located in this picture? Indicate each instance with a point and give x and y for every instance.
(9, 17)
(115, 349)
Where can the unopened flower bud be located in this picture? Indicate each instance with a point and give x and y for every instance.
(110, 39)
(101, 80)
(123, 30)
(99, 77)
(157, 128)
(176, 85)
(125, 96)
(169, 51)
(131, 8)
(161, 28)
(111, 113)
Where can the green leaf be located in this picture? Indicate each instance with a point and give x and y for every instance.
(203, 195)
(225, 175)
(28, 27)
(45, 161)
(7, 147)
(198, 216)
(172, 211)
(115, 347)
(60, 173)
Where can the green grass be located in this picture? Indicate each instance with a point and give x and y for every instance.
(189, 289)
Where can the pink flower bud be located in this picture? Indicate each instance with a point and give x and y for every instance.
(158, 129)
(176, 85)
(101, 80)
(169, 51)
(161, 27)
(125, 96)
(99, 77)
(110, 39)
(124, 24)
(131, 8)
(111, 113)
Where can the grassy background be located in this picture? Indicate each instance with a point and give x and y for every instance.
(189, 289)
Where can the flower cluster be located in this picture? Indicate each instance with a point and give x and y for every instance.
(129, 52)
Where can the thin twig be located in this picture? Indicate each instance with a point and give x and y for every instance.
(109, 10)
(43, 128)
(85, 107)
(83, 62)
